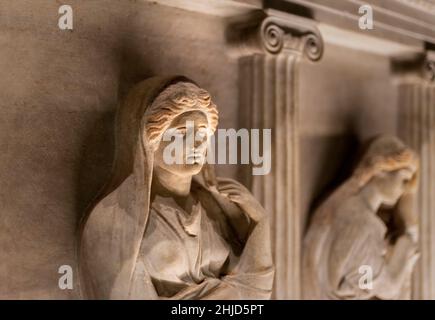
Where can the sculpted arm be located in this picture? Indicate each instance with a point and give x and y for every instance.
(397, 268)
(357, 246)
(403, 255)
(251, 275)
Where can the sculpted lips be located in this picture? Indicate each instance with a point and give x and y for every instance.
(195, 157)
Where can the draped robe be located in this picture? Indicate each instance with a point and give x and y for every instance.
(112, 233)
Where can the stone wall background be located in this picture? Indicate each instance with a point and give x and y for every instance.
(59, 90)
(346, 98)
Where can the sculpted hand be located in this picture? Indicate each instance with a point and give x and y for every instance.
(406, 208)
(238, 194)
(409, 251)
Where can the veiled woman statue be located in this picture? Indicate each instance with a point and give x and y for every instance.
(171, 231)
(352, 249)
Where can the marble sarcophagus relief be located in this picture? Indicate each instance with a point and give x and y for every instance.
(171, 231)
(320, 76)
(354, 251)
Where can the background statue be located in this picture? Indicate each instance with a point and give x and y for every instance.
(355, 250)
(160, 230)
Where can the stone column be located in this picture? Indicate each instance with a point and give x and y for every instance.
(274, 47)
(417, 129)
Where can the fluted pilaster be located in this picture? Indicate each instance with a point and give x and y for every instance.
(417, 128)
(271, 52)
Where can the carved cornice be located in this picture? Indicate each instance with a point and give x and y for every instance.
(423, 5)
(410, 22)
(274, 34)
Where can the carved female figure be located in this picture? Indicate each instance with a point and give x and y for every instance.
(350, 252)
(171, 231)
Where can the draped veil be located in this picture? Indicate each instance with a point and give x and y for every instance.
(111, 232)
(334, 244)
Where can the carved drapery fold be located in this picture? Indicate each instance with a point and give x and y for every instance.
(270, 54)
(417, 128)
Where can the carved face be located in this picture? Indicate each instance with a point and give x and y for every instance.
(391, 185)
(192, 130)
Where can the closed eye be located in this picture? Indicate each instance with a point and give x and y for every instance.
(181, 130)
(202, 133)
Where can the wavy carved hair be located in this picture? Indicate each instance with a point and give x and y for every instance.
(385, 154)
(176, 99)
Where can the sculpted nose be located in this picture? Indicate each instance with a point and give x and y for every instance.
(198, 143)
(199, 140)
